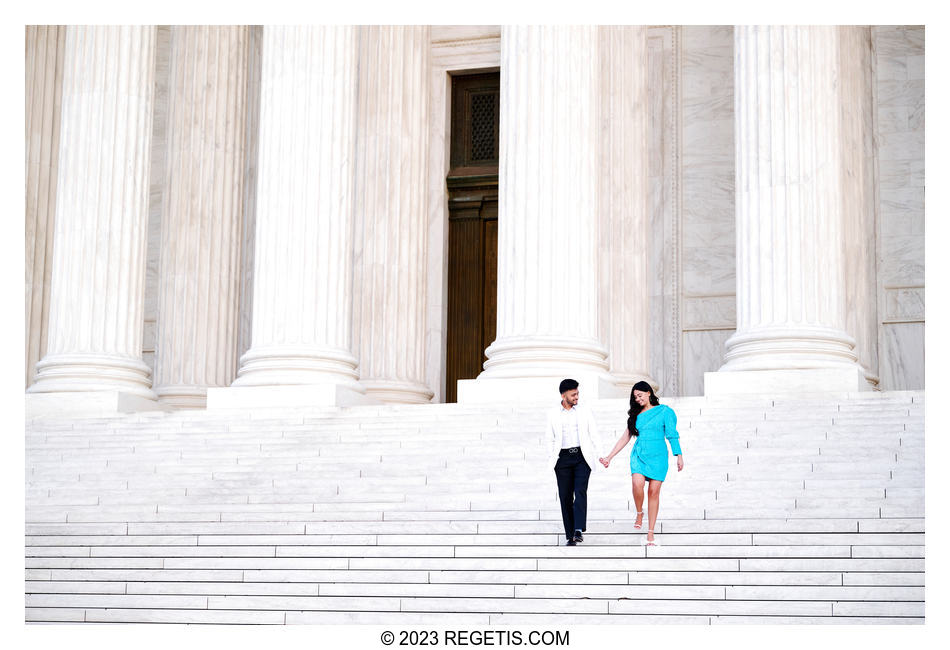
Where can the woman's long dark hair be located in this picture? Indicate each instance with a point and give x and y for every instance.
(636, 408)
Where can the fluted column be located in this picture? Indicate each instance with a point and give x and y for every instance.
(197, 328)
(547, 325)
(790, 291)
(624, 242)
(391, 212)
(858, 169)
(45, 46)
(304, 231)
(96, 303)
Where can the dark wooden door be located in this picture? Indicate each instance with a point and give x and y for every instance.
(472, 185)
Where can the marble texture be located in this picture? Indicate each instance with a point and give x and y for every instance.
(301, 332)
(899, 139)
(97, 291)
(708, 198)
(904, 304)
(389, 256)
(45, 46)
(902, 363)
(702, 352)
(709, 312)
(197, 326)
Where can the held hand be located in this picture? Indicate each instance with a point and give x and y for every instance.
(605, 462)
(679, 463)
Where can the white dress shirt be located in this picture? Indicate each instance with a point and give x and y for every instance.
(569, 435)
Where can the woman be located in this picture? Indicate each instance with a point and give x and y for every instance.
(649, 422)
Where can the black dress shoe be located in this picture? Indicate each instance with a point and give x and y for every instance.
(571, 542)
(578, 537)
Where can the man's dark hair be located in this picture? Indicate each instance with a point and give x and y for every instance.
(567, 384)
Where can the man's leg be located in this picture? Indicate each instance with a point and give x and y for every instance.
(564, 471)
(581, 478)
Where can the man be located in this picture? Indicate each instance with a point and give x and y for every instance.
(574, 448)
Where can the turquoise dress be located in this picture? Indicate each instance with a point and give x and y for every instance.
(649, 456)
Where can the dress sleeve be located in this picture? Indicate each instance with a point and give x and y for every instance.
(669, 426)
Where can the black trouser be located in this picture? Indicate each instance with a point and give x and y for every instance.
(572, 473)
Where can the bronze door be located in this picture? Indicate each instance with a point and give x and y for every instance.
(472, 186)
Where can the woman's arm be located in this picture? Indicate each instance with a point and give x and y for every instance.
(621, 443)
(669, 430)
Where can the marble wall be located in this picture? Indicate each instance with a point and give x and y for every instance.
(664, 126)
(708, 198)
(899, 139)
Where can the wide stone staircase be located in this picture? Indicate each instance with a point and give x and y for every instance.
(805, 510)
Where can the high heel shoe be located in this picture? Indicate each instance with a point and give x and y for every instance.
(640, 517)
(649, 542)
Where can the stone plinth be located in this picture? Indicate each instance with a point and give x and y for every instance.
(96, 402)
(786, 381)
(283, 397)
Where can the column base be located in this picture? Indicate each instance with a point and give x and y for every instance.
(104, 402)
(183, 397)
(782, 382)
(625, 381)
(489, 390)
(289, 396)
(516, 357)
(397, 392)
(83, 373)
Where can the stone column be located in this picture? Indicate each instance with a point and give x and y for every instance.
(197, 328)
(44, 85)
(547, 218)
(301, 323)
(790, 267)
(390, 258)
(624, 241)
(96, 303)
(858, 200)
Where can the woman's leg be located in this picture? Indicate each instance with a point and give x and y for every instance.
(653, 496)
(638, 495)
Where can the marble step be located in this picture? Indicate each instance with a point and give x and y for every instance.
(526, 604)
(257, 514)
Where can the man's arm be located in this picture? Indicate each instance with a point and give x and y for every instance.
(551, 434)
(594, 434)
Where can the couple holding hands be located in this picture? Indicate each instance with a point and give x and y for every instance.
(573, 443)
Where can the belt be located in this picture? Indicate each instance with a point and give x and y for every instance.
(571, 450)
